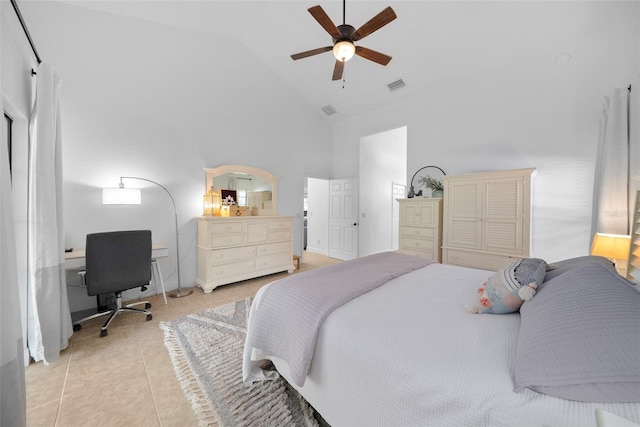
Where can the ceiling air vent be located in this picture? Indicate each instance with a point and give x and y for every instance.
(329, 110)
(396, 85)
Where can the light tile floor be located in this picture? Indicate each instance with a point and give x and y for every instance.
(127, 378)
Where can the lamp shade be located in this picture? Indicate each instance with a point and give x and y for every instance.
(344, 50)
(121, 196)
(612, 246)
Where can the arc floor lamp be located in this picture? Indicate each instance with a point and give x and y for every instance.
(132, 196)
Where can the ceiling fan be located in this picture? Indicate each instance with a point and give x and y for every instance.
(344, 37)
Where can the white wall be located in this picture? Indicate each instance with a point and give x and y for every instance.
(318, 216)
(545, 118)
(383, 161)
(159, 102)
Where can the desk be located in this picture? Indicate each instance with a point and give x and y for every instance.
(76, 260)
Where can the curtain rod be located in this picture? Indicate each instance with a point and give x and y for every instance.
(26, 32)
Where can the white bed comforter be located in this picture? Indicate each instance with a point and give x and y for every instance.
(292, 311)
(407, 353)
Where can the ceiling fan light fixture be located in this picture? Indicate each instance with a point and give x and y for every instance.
(344, 50)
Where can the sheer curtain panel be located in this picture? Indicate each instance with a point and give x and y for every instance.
(49, 319)
(13, 397)
(611, 184)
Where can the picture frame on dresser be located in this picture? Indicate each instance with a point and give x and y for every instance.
(225, 193)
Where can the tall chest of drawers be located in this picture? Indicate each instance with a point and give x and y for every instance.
(231, 249)
(421, 227)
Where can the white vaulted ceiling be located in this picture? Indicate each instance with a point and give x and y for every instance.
(431, 42)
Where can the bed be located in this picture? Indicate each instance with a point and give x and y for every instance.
(406, 352)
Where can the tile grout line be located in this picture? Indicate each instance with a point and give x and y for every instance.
(64, 383)
(146, 374)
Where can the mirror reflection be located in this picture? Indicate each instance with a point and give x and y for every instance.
(250, 189)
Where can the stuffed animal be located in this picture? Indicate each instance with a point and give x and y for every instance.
(508, 288)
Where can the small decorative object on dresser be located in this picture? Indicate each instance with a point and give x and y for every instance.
(421, 227)
(431, 181)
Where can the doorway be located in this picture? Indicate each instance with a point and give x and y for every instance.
(383, 177)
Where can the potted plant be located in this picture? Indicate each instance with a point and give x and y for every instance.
(433, 183)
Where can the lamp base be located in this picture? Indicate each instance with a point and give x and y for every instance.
(180, 292)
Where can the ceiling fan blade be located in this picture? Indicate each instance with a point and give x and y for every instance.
(374, 24)
(372, 55)
(311, 52)
(337, 70)
(323, 19)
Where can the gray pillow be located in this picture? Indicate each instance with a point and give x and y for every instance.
(557, 268)
(580, 337)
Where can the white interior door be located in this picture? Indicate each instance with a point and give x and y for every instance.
(343, 219)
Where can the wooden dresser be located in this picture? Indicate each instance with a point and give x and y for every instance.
(421, 227)
(231, 249)
(487, 218)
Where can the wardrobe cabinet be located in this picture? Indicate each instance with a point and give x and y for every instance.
(487, 218)
(231, 249)
(421, 227)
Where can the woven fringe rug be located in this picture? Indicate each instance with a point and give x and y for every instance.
(206, 351)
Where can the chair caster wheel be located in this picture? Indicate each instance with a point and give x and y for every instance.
(103, 333)
(149, 317)
(147, 306)
(77, 327)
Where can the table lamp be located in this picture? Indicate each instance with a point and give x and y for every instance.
(615, 247)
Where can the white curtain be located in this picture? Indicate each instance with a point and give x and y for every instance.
(49, 319)
(611, 191)
(13, 396)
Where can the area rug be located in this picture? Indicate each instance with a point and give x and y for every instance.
(206, 351)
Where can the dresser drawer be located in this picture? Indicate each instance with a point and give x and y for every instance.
(280, 235)
(274, 248)
(417, 244)
(417, 232)
(274, 261)
(217, 272)
(225, 228)
(421, 254)
(484, 261)
(279, 226)
(225, 256)
(222, 240)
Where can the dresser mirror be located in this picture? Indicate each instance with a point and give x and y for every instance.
(255, 189)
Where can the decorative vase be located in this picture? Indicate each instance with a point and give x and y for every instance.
(437, 193)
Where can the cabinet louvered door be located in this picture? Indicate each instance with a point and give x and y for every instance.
(487, 218)
(633, 268)
(427, 215)
(409, 214)
(464, 203)
(503, 215)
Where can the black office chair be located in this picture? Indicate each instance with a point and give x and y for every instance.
(115, 262)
